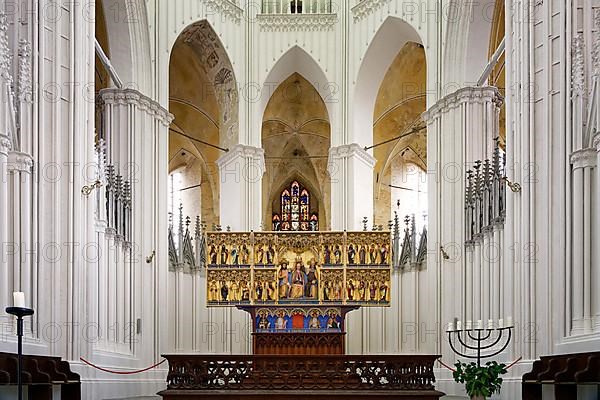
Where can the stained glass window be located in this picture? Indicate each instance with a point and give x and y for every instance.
(295, 211)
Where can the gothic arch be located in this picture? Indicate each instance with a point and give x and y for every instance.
(204, 42)
(391, 37)
(296, 60)
(468, 40)
(296, 136)
(129, 42)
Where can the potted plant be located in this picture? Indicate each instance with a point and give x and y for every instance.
(480, 382)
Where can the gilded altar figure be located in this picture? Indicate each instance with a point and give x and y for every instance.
(383, 251)
(384, 292)
(312, 279)
(245, 255)
(339, 290)
(298, 281)
(284, 280)
(351, 254)
(213, 291)
(337, 255)
(258, 290)
(350, 289)
(361, 292)
(327, 255)
(260, 255)
(213, 255)
(373, 254)
(270, 254)
(373, 291)
(224, 254)
(234, 294)
(270, 291)
(245, 291)
(235, 256)
(362, 255)
(224, 291)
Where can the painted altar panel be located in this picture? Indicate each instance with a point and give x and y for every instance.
(299, 269)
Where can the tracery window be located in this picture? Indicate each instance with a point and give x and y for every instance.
(295, 213)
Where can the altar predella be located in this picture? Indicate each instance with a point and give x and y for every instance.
(298, 268)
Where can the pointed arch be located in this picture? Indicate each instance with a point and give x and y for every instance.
(129, 42)
(393, 34)
(297, 60)
(204, 42)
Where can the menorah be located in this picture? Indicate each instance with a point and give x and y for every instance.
(480, 339)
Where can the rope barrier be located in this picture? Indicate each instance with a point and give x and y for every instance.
(121, 372)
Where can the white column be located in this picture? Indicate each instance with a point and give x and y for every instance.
(240, 180)
(583, 162)
(595, 234)
(461, 128)
(4, 276)
(351, 173)
(19, 180)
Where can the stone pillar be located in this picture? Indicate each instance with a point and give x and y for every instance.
(595, 234)
(4, 277)
(583, 163)
(460, 129)
(19, 222)
(351, 173)
(240, 181)
(7, 130)
(132, 232)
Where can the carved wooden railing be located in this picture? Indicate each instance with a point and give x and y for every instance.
(299, 373)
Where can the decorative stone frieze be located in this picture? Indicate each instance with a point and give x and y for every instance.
(351, 151)
(469, 94)
(227, 8)
(297, 22)
(367, 7)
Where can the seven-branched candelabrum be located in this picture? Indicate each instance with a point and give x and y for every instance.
(479, 342)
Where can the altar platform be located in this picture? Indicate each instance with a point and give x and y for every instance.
(279, 377)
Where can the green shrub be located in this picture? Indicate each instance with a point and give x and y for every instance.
(480, 381)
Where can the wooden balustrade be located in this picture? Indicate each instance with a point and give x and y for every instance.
(306, 377)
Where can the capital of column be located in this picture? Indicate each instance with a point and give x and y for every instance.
(241, 152)
(469, 94)
(585, 158)
(351, 151)
(597, 142)
(5, 145)
(116, 96)
(19, 162)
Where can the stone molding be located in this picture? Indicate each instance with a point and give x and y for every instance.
(240, 151)
(585, 158)
(297, 22)
(352, 150)
(470, 94)
(19, 162)
(226, 8)
(367, 7)
(133, 97)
